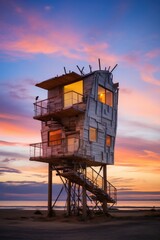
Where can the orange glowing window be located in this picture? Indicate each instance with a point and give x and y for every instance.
(101, 94)
(108, 141)
(92, 134)
(109, 98)
(55, 137)
(105, 96)
(73, 93)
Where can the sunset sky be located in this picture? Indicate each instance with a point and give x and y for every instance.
(38, 39)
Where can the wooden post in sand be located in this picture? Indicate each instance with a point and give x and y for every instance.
(49, 189)
(84, 210)
(105, 187)
(69, 199)
(84, 199)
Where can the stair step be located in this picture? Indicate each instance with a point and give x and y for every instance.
(91, 186)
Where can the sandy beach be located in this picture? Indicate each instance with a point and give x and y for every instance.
(122, 224)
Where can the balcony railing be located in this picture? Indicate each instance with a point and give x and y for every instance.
(60, 147)
(58, 103)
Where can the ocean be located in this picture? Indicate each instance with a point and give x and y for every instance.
(42, 205)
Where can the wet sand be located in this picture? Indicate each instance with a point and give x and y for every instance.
(122, 224)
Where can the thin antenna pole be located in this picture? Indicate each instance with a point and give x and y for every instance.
(81, 71)
(109, 68)
(65, 70)
(114, 67)
(99, 62)
(90, 67)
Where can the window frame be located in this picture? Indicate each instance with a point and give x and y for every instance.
(91, 138)
(72, 92)
(57, 141)
(108, 138)
(111, 99)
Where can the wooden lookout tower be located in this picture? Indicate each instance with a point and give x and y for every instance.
(78, 131)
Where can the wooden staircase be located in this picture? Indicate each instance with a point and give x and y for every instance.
(92, 184)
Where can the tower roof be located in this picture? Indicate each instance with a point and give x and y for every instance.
(61, 80)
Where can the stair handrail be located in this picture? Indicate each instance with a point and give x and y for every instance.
(110, 190)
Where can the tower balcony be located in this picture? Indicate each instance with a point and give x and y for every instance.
(69, 148)
(66, 105)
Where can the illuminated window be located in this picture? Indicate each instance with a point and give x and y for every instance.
(73, 93)
(105, 96)
(92, 134)
(101, 94)
(54, 137)
(109, 98)
(108, 141)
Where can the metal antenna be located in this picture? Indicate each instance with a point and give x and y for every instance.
(81, 70)
(90, 67)
(114, 67)
(65, 70)
(99, 62)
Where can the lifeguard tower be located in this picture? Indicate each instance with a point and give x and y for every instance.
(78, 130)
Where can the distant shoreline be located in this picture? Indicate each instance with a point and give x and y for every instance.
(59, 208)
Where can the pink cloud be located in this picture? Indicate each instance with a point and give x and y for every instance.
(140, 61)
(153, 54)
(139, 105)
(132, 58)
(147, 74)
(28, 40)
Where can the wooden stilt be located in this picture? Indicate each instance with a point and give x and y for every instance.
(49, 190)
(84, 199)
(84, 210)
(105, 187)
(69, 199)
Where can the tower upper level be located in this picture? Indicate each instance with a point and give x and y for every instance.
(79, 117)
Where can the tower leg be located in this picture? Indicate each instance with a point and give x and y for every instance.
(84, 199)
(69, 199)
(49, 189)
(105, 187)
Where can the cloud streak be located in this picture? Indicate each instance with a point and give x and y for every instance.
(137, 152)
(27, 190)
(27, 40)
(9, 170)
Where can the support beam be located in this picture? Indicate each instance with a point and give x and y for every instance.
(105, 187)
(49, 189)
(84, 199)
(84, 202)
(69, 199)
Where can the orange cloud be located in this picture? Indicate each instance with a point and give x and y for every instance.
(140, 104)
(133, 158)
(13, 127)
(27, 40)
